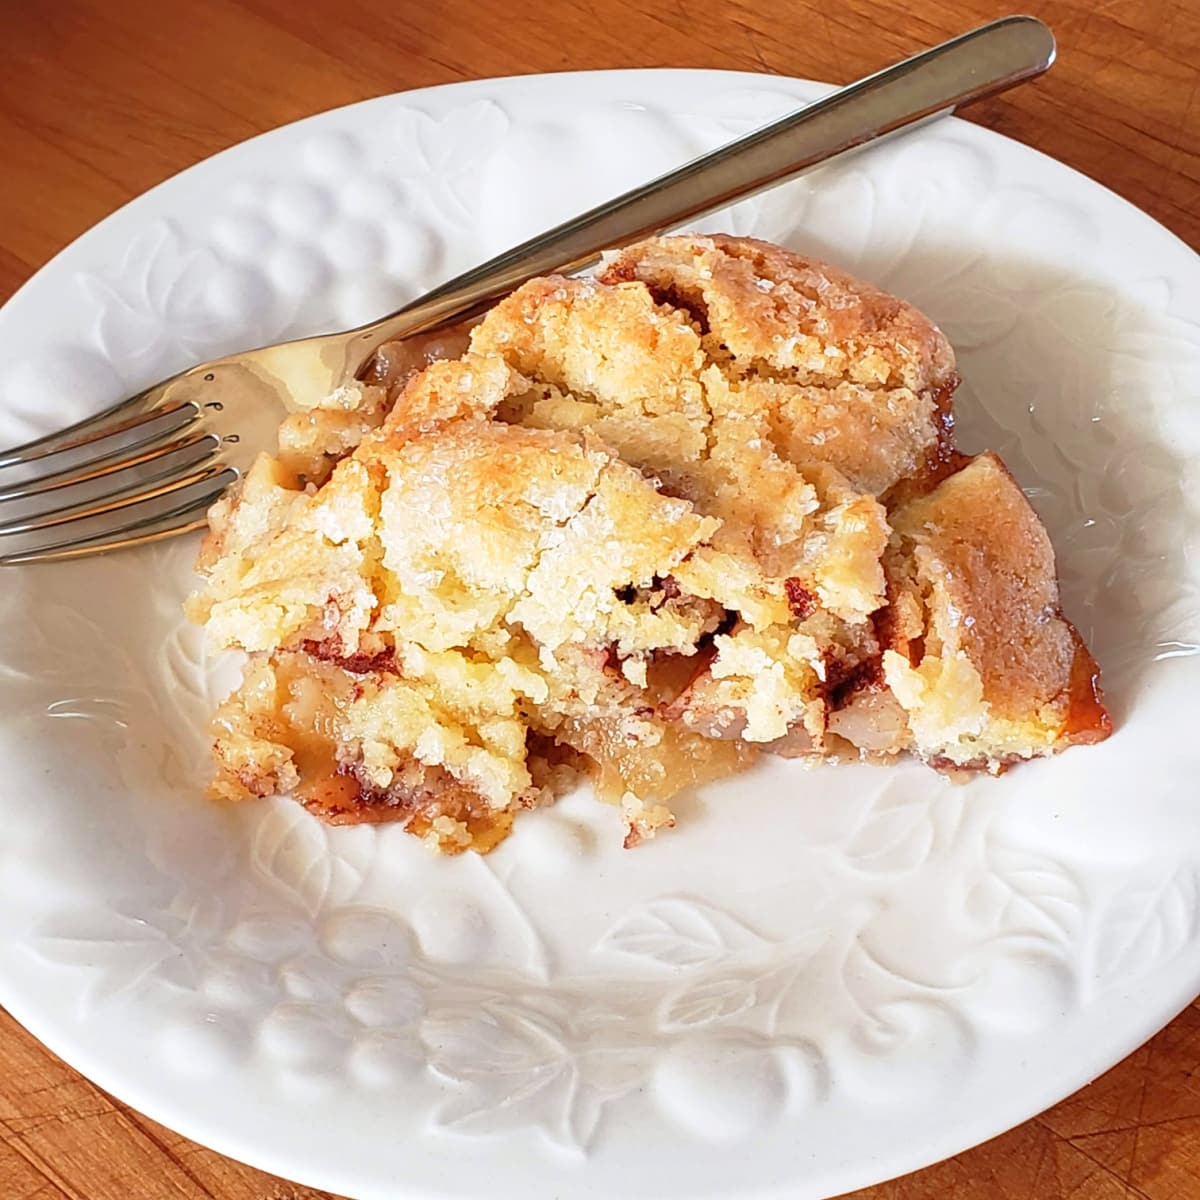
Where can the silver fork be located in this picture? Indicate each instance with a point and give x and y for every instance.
(150, 466)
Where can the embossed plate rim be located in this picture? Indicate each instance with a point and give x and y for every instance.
(90, 1057)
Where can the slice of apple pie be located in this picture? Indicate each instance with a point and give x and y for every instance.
(643, 527)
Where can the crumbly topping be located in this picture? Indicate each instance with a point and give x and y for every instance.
(639, 526)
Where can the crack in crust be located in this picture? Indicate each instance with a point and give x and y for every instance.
(641, 527)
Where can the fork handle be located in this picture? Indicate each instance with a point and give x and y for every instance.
(981, 63)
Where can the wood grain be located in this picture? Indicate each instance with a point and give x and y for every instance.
(101, 99)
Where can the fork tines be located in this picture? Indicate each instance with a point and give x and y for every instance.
(134, 473)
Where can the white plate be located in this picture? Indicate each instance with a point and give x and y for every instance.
(821, 978)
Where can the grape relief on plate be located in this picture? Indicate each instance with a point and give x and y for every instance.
(271, 935)
(319, 986)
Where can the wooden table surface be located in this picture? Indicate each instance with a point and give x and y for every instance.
(101, 99)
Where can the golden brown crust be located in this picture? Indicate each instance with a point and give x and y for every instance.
(849, 375)
(973, 560)
(639, 528)
(809, 309)
(313, 440)
(444, 590)
(280, 732)
(612, 361)
(996, 595)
